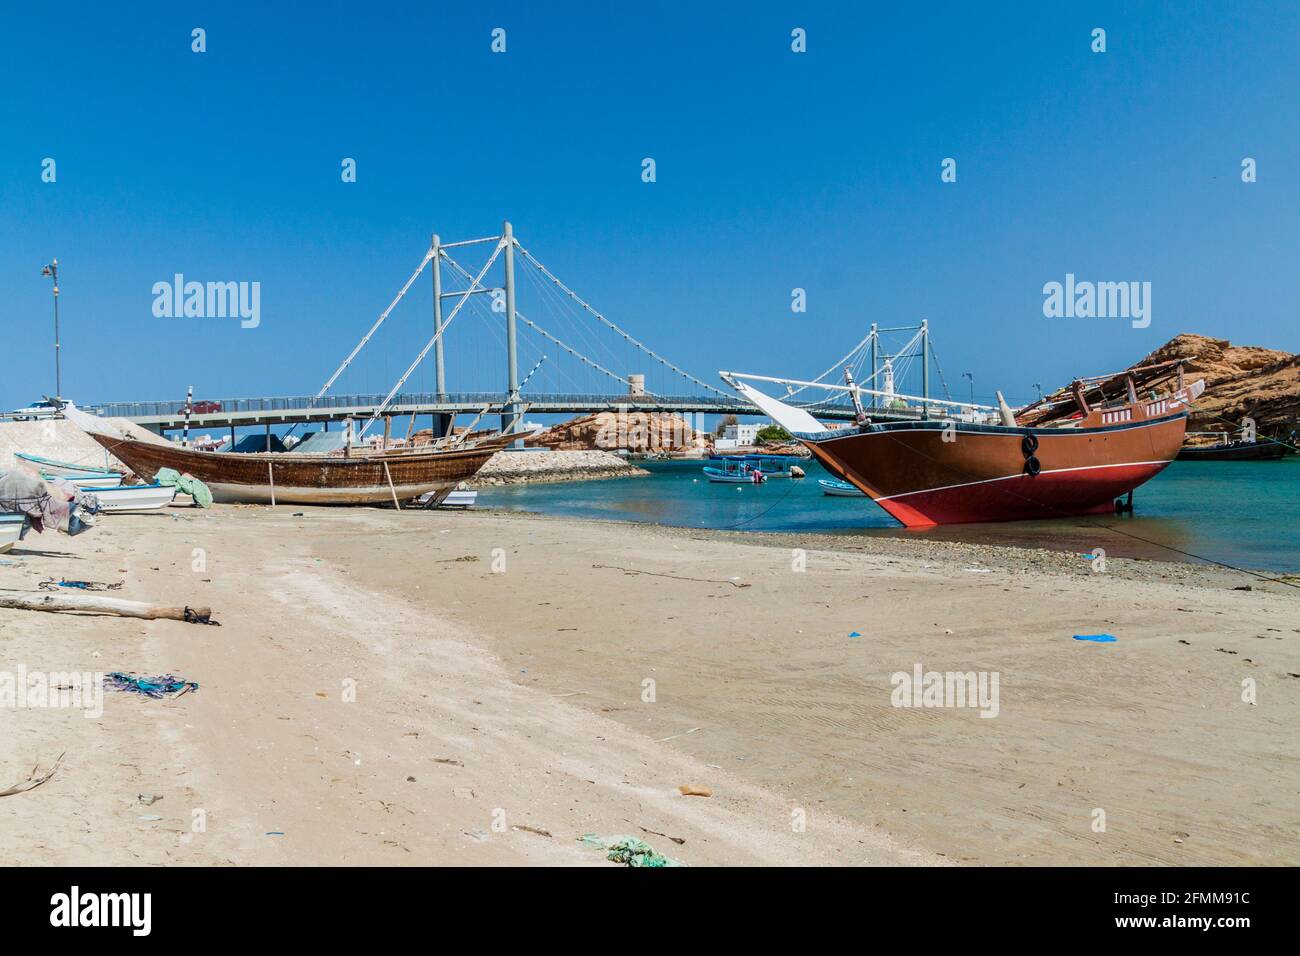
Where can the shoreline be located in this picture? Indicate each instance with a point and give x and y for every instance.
(904, 543)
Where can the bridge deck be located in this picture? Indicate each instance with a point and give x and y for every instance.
(244, 412)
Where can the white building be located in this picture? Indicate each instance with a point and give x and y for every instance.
(736, 436)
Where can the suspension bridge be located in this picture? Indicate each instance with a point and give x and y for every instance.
(578, 359)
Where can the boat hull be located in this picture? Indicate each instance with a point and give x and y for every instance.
(840, 489)
(730, 478)
(1252, 451)
(59, 469)
(134, 497)
(11, 529)
(90, 482)
(931, 473)
(309, 479)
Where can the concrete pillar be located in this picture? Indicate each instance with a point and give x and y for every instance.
(440, 372)
(514, 410)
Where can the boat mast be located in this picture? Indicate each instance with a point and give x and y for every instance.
(925, 368)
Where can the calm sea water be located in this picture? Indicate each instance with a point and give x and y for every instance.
(1239, 513)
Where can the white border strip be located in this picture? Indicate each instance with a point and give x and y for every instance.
(1053, 471)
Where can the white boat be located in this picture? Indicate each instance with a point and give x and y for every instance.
(90, 482)
(134, 497)
(11, 528)
(458, 498)
(839, 489)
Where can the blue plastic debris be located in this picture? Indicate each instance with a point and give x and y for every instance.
(165, 685)
(854, 634)
(1097, 638)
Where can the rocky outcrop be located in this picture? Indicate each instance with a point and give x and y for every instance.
(637, 432)
(1241, 381)
(520, 467)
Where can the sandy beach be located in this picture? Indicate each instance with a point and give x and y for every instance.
(499, 667)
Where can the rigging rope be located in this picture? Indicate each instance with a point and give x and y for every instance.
(533, 325)
(644, 348)
(428, 345)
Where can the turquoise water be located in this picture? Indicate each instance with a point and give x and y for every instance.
(1238, 513)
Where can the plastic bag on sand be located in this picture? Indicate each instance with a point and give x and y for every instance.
(187, 484)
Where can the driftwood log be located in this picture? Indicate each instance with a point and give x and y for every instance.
(89, 604)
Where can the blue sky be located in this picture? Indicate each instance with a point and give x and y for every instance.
(775, 170)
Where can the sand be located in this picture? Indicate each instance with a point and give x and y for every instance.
(500, 664)
(60, 440)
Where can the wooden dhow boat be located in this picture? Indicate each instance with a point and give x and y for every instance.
(1074, 452)
(354, 477)
(347, 479)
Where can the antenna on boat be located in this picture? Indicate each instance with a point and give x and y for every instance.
(858, 412)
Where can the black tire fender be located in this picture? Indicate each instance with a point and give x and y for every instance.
(1032, 466)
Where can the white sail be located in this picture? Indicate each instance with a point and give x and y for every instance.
(787, 416)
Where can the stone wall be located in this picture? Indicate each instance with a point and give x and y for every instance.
(511, 468)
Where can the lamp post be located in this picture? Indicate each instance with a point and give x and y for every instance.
(971, 376)
(52, 270)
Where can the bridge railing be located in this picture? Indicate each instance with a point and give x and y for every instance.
(418, 399)
(718, 404)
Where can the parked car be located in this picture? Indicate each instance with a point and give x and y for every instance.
(205, 408)
(35, 410)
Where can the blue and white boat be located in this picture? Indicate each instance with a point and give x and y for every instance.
(735, 471)
(133, 497)
(60, 469)
(839, 489)
(89, 480)
(725, 467)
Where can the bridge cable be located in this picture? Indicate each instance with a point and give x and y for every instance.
(533, 325)
(428, 345)
(645, 348)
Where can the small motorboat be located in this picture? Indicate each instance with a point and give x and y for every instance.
(736, 471)
(134, 497)
(457, 498)
(89, 481)
(772, 466)
(840, 489)
(1265, 449)
(11, 529)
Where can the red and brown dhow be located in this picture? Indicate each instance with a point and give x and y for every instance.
(1072, 453)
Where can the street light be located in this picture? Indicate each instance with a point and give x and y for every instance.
(52, 270)
(971, 376)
